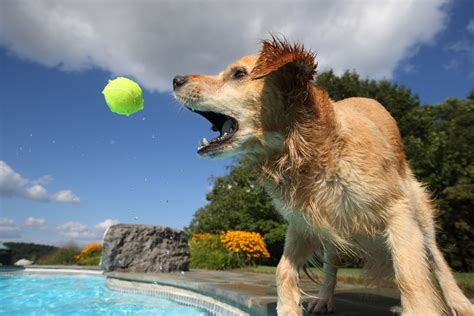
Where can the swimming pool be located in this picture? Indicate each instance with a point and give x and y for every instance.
(39, 294)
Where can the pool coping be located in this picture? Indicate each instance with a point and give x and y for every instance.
(181, 296)
(51, 270)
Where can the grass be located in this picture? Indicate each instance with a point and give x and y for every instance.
(465, 280)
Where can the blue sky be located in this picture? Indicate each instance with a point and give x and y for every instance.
(70, 167)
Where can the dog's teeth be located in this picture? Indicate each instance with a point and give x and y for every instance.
(227, 125)
(203, 142)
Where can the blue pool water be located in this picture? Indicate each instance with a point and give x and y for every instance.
(34, 294)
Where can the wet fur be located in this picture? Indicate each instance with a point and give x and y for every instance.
(337, 173)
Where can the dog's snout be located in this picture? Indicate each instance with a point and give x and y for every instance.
(179, 81)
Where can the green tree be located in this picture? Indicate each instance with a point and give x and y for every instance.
(64, 255)
(237, 202)
(29, 251)
(441, 154)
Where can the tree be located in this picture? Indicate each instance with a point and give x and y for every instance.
(441, 154)
(237, 202)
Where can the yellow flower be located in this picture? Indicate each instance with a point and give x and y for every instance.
(249, 243)
(88, 250)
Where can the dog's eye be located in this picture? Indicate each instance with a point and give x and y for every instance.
(238, 73)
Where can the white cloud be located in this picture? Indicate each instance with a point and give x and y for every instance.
(10, 181)
(35, 222)
(152, 41)
(79, 231)
(65, 196)
(106, 224)
(76, 230)
(36, 192)
(462, 47)
(43, 180)
(13, 184)
(5, 221)
(8, 229)
(470, 26)
(452, 64)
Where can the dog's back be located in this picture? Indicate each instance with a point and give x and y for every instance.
(363, 110)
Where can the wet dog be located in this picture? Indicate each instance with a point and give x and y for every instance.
(336, 171)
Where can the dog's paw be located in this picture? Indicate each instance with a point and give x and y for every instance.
(321, 306)
(462, 309)
(289, 309)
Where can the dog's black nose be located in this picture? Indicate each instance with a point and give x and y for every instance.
(178, 81)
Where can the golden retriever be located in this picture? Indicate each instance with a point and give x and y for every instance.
(336, 171)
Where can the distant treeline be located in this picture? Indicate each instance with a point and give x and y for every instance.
(29, 251)
(68, 254)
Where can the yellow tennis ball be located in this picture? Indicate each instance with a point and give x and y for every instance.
(123, 96)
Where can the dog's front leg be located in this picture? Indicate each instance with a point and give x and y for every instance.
(325, 302)
(298, 248)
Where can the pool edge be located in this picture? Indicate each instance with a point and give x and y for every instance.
(182, 296)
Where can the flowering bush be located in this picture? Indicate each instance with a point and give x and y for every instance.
(90, 255)
(228, 250)
(204, 236)
(248, 244)
(207, 252)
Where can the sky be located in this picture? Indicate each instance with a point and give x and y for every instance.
(69, 167)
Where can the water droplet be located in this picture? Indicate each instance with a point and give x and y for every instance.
(54, 142)
(166, 201)
(135, 218)
(146, 179)
(182, 272)
(153, 136)
(167, 252)
(31, 134)
(112, 142)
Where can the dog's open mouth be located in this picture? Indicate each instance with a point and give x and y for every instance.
(226, 126)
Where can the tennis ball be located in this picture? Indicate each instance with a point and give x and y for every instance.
(123, 96)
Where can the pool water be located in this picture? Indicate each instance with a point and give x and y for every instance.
(34, 294)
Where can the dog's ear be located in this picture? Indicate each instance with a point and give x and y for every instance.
(277, 54)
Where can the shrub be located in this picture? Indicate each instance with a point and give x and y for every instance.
(207, 252)
(232, 249)
(249, 246)
(90, 255)
(62, 256)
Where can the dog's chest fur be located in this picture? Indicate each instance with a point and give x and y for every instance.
(337, 203)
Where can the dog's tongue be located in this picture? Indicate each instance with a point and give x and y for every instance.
(226, 127)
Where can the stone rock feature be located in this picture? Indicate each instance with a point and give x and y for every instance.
(142, 248)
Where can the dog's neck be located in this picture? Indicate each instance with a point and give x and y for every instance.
(305, 150)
